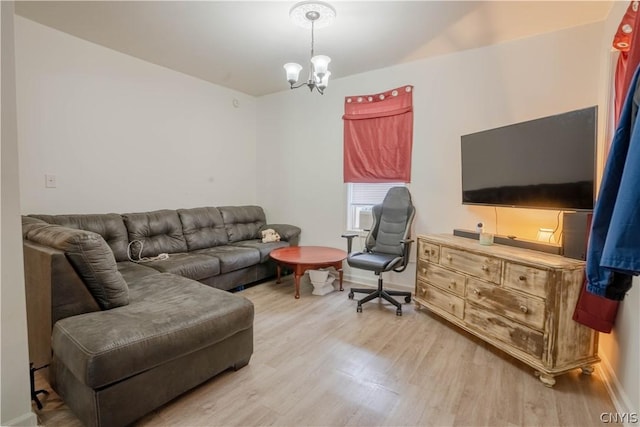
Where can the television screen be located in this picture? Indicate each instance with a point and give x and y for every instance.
(547, 163)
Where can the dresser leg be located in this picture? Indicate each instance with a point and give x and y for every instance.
(587, 370)
(547, 380)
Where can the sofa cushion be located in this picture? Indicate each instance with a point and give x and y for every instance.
(169, 316)
(132, 271)
(264, 248)
(29, 223)
(191, 265)
(159, 231)
(243, 222)
(203, 227)
(232, 257)
(91, 257)
(109, 226)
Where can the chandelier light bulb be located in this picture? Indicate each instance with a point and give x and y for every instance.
(325, 81)
(320, 65)
(293, 71)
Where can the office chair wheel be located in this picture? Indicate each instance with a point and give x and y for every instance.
(351, 295)
(359, 309)
(407, 299)
(399, 312)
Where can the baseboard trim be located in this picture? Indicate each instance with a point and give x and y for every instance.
(614, 388)
(28, 419)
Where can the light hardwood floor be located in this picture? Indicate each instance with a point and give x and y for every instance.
(317, 362)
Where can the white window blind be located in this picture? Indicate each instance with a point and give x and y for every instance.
(370, 193)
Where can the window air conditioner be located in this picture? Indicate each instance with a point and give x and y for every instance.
(365, 219)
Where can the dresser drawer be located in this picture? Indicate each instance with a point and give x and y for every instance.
(428, 251)
(527, 279)
(523, 308)
(484, 267)
(441, 277)
(508, 331)
(441, 299)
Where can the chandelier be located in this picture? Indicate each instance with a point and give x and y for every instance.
(311, 14)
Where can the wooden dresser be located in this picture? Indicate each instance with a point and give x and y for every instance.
(519, 300)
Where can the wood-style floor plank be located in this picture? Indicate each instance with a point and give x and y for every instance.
(317, 362)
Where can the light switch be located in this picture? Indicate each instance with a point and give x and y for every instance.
(50, 181)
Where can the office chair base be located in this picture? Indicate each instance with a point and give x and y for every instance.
(380, 293)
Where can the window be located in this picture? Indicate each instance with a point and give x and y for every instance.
(360, 199)
(378, 140)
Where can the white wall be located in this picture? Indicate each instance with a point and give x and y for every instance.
(454, 95)
(620, 350)
(123, 135)
(15, 398)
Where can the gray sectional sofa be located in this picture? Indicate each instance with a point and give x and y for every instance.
(124, 337)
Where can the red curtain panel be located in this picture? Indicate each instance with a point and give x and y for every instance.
(378, 136)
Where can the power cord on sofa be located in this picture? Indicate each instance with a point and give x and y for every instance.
(159, 257)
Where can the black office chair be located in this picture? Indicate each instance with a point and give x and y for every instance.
(387, 246)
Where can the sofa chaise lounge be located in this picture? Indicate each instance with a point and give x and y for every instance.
(123, 337)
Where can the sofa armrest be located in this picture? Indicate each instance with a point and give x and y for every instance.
(49, 267)
(288, 233)
(53, 291)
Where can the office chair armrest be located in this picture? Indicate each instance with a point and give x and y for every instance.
(406, 243)
(406, 246)
(349, 237)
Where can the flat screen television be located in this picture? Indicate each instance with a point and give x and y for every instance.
(547, 163)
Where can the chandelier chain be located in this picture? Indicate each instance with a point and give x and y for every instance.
(312, 37)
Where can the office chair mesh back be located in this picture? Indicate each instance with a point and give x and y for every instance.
(390, 222)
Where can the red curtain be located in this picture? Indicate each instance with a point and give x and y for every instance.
(378, 136)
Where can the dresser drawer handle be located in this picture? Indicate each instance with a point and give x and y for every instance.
(449, 257)
(432, 252)
(524, 309)
(484, 267)
(452, 282)
(476, 292)
(522, 278)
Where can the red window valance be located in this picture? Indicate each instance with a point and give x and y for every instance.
(378, 136)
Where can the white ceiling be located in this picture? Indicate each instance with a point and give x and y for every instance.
(243, 44)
